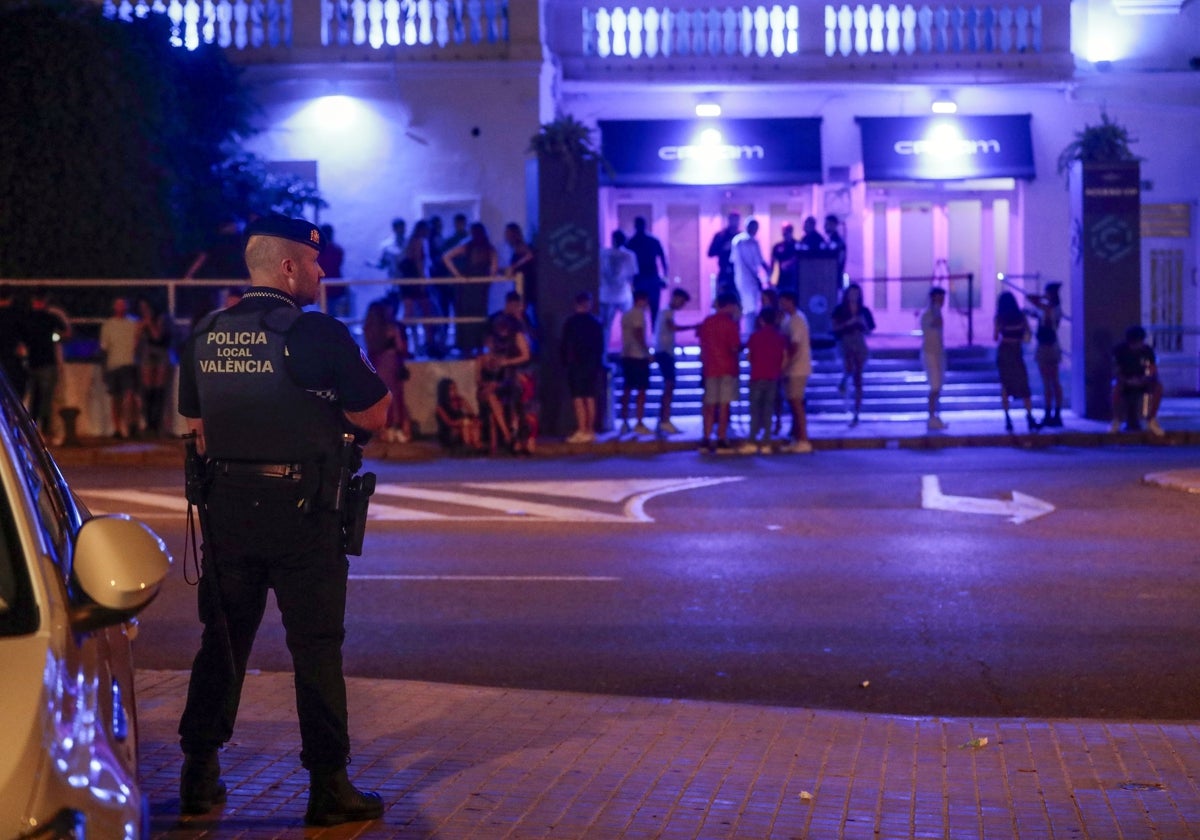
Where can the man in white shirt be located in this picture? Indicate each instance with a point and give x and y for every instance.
(118, 342)
(747, 262)
(618, 265)
(797, 370)
(933, 354)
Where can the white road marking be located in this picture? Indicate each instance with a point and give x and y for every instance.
(175, 502)
(1022, 507)
(503, 501)
(495, 578)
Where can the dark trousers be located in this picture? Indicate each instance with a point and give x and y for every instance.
(260, 541)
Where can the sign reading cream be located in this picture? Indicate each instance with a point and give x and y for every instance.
(712, 151)
(946, 147)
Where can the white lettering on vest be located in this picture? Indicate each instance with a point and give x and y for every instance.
(236, 366)
(237, 337)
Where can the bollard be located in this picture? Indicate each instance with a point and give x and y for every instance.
(70, 416)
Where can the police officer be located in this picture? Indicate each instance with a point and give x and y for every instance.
(270, 391)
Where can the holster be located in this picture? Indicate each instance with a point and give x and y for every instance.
(357, 499)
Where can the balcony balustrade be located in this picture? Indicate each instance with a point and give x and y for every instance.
(968, 40)
(684, 40)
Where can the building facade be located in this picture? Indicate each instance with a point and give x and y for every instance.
(409, 108)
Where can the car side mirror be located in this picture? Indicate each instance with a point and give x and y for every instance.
(120, 565)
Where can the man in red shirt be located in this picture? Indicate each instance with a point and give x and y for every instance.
(768, 349)
(720, 344)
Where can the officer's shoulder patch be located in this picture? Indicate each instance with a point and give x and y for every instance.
(363, 355)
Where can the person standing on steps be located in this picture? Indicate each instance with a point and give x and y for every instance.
(1011, 331)
(635, 363)
(650, 259)
(664, 357)
(852, 323)
(933, 354)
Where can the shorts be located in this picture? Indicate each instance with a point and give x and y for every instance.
(121, 380)
(719, 390)
(666, 366)
(636, 373)
(794, 387)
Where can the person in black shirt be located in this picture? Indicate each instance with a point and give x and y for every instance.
(650, 255)
(721, 247)
(583, 358)
(1136, 378)
(785, 259)
(272, 394)
(835, 243)
(45, 327)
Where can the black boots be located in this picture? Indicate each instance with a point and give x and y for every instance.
(200, 784)
(333, 800)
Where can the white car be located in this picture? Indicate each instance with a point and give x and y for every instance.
(70, 586)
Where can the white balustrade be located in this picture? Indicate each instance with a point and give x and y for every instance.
(264, 24)
(850, 30)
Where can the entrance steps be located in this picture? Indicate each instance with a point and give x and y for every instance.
(893, 383)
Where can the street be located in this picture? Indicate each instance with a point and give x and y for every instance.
(845, 580)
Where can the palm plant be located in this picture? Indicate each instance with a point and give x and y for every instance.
(1108, 142)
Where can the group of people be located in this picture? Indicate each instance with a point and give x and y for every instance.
(429, 253)
(30, 349)
(505, 413)
(136, 354)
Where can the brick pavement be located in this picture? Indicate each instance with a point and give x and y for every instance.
(466, 762)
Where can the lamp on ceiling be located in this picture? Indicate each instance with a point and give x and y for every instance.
(708, 108)
(943, 104)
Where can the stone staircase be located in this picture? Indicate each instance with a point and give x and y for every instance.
(893, 383)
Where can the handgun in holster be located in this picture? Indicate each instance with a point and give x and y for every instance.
(195, 473)
(353, 496)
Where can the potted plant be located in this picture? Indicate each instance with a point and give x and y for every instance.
(569, 141)
(1108, 142)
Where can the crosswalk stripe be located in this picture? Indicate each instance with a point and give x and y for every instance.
(514, 507)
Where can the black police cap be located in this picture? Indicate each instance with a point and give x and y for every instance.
(297, 230)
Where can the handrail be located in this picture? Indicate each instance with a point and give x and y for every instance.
(174, 285)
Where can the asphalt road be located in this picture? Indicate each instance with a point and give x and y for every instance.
(809, 581)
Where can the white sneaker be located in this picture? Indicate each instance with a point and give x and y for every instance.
(579, 437)
(747, 448)
(800, 447)
(642, 429)
(1115, 426)
(935, 424)
(765, 449)
(666, 427)
(1155, 429)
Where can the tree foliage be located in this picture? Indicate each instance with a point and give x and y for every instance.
(119, 153)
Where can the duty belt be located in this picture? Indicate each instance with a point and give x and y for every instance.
(258, 469)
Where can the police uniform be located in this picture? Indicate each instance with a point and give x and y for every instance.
(270, 384)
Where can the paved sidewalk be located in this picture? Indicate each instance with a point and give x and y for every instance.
(1180, 417)
(460, 762)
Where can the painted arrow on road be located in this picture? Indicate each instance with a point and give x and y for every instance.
(1021, 508)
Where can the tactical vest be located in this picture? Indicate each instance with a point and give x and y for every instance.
(251, 408)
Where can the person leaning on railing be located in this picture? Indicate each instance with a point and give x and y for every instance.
(476, 257)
